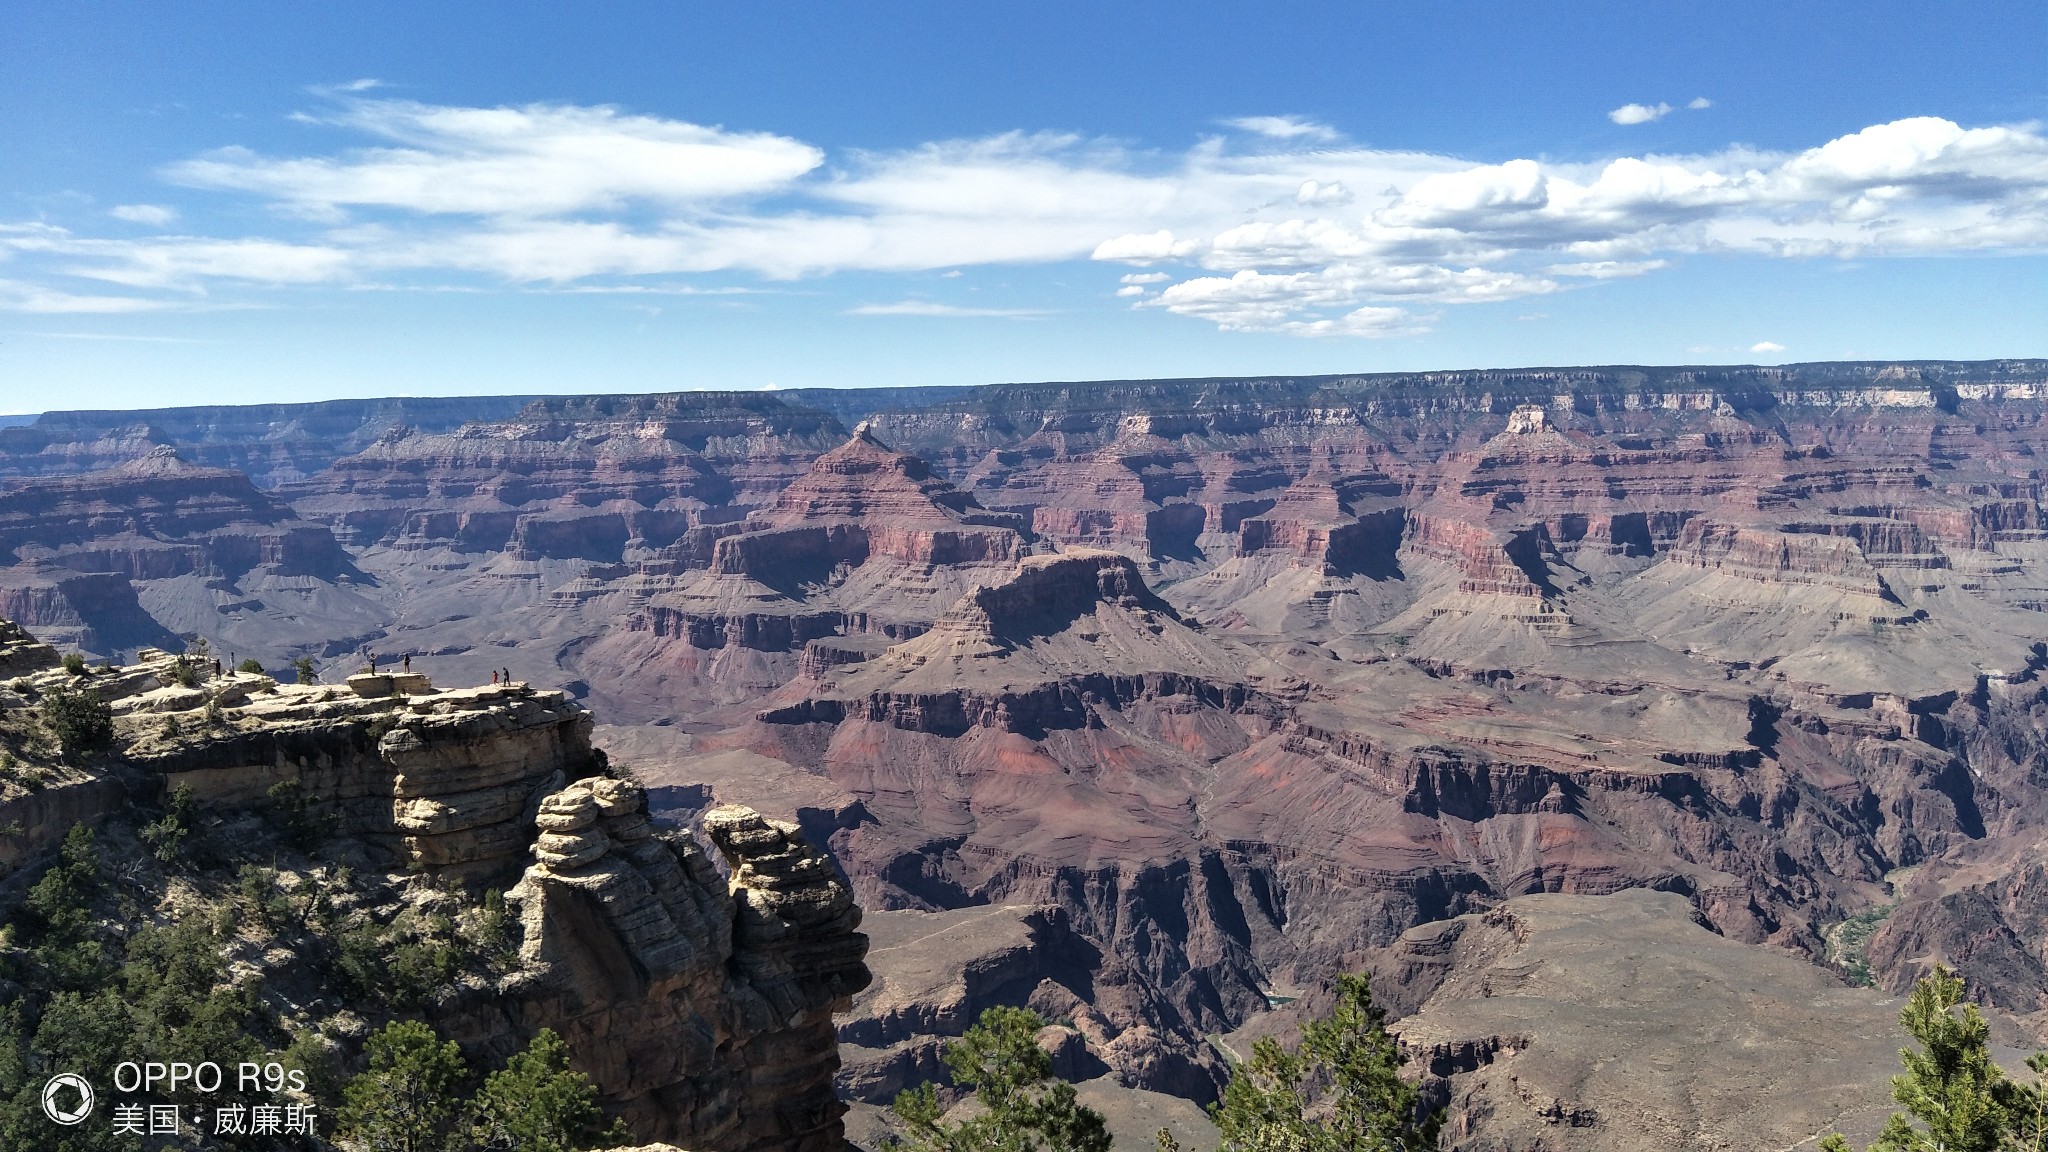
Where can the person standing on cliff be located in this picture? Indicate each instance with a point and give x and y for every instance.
(494, 677)
(406, 665)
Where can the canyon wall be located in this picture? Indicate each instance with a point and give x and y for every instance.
(1245, 678)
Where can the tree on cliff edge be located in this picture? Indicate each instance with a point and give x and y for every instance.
(1957, 1098)
(1342, 1091)
(1024, 1108)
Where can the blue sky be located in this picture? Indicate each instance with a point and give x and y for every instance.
(213, 202)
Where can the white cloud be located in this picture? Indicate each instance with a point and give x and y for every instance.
(593, 198)
(928, 308)
(1312, 192)
(1131, 290)
(1260, 302)
(1766, 347)
(1639, 113)
(155, 215)
(1293, 302)
(34, 298)
(1143, 249)
(1607, 269)
(1371, 323)
(1698, 103)
(1284, 127)
(539, 160)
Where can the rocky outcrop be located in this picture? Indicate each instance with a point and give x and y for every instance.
(867, 542)
(1487, 562)
(701, 1006)
(109, 561)
(702, 1009)
(1064, 635)
(937, 972)
(447, 780)
(21, 653)
(864, 500)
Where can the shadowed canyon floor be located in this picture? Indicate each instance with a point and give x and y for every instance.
(1224, 685)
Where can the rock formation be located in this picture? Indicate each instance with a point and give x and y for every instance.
(868, 543)
(700, 1006)
(704, 1011)
(22, 653)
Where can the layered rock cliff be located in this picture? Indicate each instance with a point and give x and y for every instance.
(699, 1000)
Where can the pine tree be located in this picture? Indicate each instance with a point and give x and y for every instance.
(1951, 1088)
(407, 1100)
(2026, 1108)
(1023, 1107)
(1341, 1091)
(540, 1104)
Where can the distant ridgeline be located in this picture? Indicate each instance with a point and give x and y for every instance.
(276, 444)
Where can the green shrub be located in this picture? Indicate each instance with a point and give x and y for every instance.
(289, 812)
(316, 1056)
(1022, 1103)
(63, 944)
(408, 1100)
(488, 926)
(540, 1104)
(250, 665)
(304, 667)
(265, 903)
(81, 721)
(1851, 944)
(74, 663)
(166, 837)
(1341, 1089)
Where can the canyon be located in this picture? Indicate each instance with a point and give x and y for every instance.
(1221, 686)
